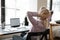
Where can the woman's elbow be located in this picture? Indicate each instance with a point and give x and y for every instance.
(29, 14)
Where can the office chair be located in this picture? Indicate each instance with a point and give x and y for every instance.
(43, 34)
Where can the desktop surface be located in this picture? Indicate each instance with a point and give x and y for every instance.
(12, 30)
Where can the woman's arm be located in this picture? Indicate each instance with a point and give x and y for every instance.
(30, 16)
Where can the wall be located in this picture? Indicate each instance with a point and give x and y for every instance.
(41, 3)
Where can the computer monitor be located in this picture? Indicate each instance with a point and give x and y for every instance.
(15, 22)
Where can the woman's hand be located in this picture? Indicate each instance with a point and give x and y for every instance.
(39, 15)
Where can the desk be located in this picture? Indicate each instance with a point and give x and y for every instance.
(51, 33)
(11, 30)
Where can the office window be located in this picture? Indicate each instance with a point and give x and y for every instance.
(18, 9)
(56, 9)
(10, 8)
(0, 12)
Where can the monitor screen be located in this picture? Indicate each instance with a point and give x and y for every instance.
(15, 22)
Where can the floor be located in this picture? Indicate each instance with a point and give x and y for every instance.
(57, 38)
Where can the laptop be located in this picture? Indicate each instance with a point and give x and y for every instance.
(15, 22)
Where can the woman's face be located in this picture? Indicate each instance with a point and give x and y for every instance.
(44, 14)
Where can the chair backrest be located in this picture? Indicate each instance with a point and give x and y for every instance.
(15, 22)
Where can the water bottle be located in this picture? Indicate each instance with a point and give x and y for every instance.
(26, 22)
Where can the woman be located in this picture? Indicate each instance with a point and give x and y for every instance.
(39, 26)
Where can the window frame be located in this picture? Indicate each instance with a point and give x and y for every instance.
(2, 11)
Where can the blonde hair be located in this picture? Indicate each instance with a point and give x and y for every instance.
(45, 12)
(43, 9)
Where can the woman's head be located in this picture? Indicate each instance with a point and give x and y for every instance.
(44, 13)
